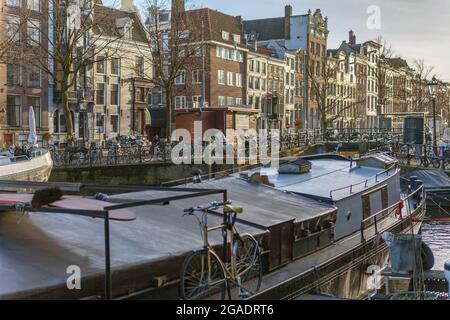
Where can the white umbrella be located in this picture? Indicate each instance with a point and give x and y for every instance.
(32, 137)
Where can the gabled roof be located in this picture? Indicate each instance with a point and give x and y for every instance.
(215, 22)
(266, 29)
(397, 63)
(108, 20)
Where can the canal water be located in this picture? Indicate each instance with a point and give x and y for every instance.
(437, 236)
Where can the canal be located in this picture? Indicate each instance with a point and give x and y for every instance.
(437, 236)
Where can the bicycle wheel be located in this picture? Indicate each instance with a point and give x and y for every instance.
(436, 162)
(247, 265)
(199, 279)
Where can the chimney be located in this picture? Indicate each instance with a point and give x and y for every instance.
(287, 22)
(351, 37)
(255, 41)
(178, 6)
(128, 5)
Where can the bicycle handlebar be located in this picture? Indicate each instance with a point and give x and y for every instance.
(214, 205)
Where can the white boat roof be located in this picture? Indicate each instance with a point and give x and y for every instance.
(326, 177)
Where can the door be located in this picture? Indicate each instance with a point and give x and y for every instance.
(8, 140)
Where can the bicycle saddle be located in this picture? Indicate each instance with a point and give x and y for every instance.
(231, 209)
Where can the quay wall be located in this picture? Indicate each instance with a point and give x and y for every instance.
(142, 174)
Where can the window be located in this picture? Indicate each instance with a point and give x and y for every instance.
(101, 65)
(114, 122)
(34, 77)
(13, 3)
(114, 94)
(140, 94)
(35, 102)
(180, 102)
(14, 74)
(221, 101)
(100, 94)
(14, 110)
(230, 78)
(221, 77)
(219, 52)
(238, 80)
(115, 66)
(34, 33)
(100, 123)
(238, 101)
(236, 38)
(230, 101)
(139, 66)
(181, 77)
(197, 76)
(225, 35)
(34, 5)
(183, 34)
(229, 54)
(196, 101)
(12, 28)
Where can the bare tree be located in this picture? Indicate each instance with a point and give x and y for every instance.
(15, 28)
(382, 72)
(78, 35)
(333, 101)
(176, 47)
(423, 74)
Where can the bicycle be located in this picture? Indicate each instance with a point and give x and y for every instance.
(205, 274)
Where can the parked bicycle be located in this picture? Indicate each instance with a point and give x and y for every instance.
(205, 274)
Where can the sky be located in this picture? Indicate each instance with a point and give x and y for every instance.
(416, 29)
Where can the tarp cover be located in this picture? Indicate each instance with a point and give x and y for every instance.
(432, 179)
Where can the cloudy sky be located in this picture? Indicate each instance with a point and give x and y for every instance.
(416, 29)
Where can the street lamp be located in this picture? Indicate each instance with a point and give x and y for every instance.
(433, 86)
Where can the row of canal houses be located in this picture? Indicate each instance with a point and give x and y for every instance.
(273, 73)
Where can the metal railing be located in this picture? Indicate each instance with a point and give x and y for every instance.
(366, 182)
(377, 217)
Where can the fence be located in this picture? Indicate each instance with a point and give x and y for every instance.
(101, 156)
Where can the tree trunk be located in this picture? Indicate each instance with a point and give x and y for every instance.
(170, 117)
(68, 117)
(323, 121)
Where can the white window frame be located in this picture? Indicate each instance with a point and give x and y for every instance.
(180, 102)
(34, 5)
(197, 76)
(180, 79)
(221, 77)
(196, 101)
(238, 80)
(230, 76)
(225, 35)
(221, 101)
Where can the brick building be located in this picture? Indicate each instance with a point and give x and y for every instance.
(110, 96)
(22, 86)
(290, 33)
(212, 88)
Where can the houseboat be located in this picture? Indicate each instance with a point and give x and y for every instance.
(36, 166)
(319, 221)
